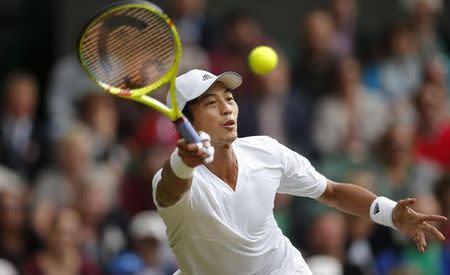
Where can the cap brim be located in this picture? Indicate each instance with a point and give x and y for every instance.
(231, 80)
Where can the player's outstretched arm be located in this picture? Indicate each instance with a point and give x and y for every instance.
(360, 202)
(177, 172)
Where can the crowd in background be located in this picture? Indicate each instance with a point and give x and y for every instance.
(372, 110)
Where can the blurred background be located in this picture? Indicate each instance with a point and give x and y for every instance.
(362, 90)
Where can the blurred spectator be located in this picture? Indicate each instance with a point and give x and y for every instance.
(433, 131)
(99, 112)
(282, 212)
(7, 268)
(193, 24)
(398, 176)
(400, 71)
(41, 214)
(130, 115)
(344, 13)
(351, 38)
(364, 178)
(359, 250)
(313, 72)
(436, 71)
(193, 57)
(15, 237)
(241, 33)
(277, 111)
(11, 181)
(351, 119)
(153, 129)
(324, 265)
(73, 153)
(134, 194)
(67, 85)
(150, 253)
(423, 17)
(103, 226)
(327, 237)
(61, 254)
(435, 259)
(196, 30)
(442, 195)
(22, 137)
(100, 115)
(340, 167)
(395, 170)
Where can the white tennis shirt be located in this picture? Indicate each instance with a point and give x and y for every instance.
(214, 230)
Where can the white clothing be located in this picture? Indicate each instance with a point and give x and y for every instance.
(215, 230)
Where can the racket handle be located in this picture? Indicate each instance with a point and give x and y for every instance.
(184, 127)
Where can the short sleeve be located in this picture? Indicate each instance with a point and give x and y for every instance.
(299, 176)
(173, 215)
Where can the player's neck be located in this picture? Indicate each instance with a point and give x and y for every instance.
(225, 165)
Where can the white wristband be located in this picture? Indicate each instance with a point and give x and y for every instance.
(179, 168)
(381, 211)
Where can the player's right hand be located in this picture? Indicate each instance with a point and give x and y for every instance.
(196, 154)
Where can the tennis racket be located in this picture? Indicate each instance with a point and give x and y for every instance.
(130, 49)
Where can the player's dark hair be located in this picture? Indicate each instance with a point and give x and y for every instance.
(187, 110)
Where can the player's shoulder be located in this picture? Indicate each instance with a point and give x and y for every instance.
(256, 140)
(260, 143)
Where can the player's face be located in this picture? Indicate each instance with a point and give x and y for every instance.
(215, 113)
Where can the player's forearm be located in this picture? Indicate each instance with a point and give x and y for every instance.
(171, 188)
(348, 198)
(176, 177)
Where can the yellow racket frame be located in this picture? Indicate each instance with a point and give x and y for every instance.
(140, 94)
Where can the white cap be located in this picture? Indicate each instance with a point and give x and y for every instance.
(194, 83)
(147, 224)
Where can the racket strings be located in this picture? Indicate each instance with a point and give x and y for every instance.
(134, 57)
(156, 58)
(95, 32)
(128, 29)
(127, 54)
(124, 51)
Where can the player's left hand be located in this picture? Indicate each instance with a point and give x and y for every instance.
(207, 147)
(414, 224)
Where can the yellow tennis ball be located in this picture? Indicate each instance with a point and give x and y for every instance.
(262, 60)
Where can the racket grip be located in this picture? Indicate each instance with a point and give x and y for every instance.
(184, 127)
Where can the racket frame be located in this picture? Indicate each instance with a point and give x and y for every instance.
(140, 94)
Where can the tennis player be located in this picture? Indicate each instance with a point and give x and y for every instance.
(217, 198)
